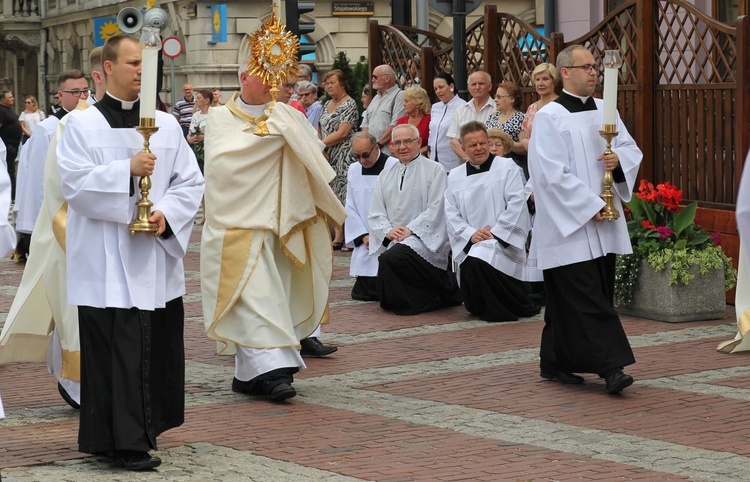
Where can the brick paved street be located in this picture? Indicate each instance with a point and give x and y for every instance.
(436, 397)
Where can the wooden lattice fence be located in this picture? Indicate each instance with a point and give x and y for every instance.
(684, 91)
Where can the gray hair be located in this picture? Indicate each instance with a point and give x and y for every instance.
(365, 135)
(412, 128)
(487, 76)
(243, 68)
(306, 86)
(565, 58)
(306, 69)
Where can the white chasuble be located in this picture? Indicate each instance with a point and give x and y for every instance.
(411, 195)
(493, 199)
(41, 297)
(107, 266)
(266, 258)
(567, 180)
(359, 188)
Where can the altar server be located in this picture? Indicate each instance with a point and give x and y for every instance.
(407, 231)
(488, 224)
(576, 246)
(128, 289)
(361, 180)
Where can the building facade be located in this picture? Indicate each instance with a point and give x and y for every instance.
(40, 38)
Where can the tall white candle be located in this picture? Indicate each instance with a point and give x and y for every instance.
(610, 95)
(149, 69)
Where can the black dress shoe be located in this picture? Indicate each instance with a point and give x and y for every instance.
(66, 396)
(134, 460)
(281, 391)
(313, 348)
(617, 381)
(247, 388)
(561, 377)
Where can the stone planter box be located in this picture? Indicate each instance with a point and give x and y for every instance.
(654, 298)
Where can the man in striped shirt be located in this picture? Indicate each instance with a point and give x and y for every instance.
(183, 109)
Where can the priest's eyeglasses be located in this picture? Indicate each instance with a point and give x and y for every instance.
(76, 92)
(405, 142)
(364, 155)
(585, 67)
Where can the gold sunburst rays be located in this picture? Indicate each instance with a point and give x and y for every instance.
(273, 55)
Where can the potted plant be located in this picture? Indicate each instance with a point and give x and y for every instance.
(678, 271)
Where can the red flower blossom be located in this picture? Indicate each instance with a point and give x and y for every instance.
(647, 224)
(646, 191)
(717, 239)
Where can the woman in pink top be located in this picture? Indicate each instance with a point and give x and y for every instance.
(546, 82)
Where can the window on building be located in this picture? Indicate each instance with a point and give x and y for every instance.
(611, 5)
(727, 11)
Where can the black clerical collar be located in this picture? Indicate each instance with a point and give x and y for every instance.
(471, 169)
(120, 104)
(376, 168)
(119, 113)
(574, 103)
(61, 112)
(414, 159)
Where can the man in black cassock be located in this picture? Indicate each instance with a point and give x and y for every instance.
(576, 246)
(128, 289)
(488, 224)
(407, 225)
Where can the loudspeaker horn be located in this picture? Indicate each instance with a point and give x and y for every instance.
(130, 20)
(156, 17)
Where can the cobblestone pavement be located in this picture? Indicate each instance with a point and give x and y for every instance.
(440, 396)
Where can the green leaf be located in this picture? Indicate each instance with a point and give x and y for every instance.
(684, 218)
(636, 207)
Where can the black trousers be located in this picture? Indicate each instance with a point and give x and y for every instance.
(582, 332)
(491, 295)
(409, 285)
(132, 376)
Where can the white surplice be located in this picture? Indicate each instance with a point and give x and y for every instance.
(359, 188)
(30, 177)
(411, 195)
(567, 181)
(493, 198)
(107, 266)
(7, 234)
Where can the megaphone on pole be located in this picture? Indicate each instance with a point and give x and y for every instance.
(130, 20)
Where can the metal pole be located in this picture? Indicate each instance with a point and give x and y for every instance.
(550, 17)
(459, 47)
(171, 68)
(422, 17)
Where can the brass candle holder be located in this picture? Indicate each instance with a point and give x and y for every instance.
(609, 132)
(140, 223)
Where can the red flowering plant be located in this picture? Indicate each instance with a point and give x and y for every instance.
(665, 235)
